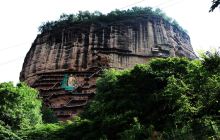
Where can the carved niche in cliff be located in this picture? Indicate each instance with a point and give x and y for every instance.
(83, 50)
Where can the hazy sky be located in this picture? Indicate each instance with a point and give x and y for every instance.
(20, 20)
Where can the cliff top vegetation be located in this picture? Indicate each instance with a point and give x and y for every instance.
(67, 20)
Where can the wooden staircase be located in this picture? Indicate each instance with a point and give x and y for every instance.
(66, 104)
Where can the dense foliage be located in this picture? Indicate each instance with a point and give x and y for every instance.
(7, 134)
(66, 21)
(172, 98)
(19, 106)
(156, 94)
(73, 129)
(178, 97)
(48, 116)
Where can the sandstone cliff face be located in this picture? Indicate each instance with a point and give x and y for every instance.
(121, 45)
(83, 50)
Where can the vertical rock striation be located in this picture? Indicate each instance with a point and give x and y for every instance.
(82, 50)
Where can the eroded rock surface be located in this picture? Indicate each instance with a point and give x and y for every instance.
(83, 50)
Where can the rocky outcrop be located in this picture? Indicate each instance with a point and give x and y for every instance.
(84, 49)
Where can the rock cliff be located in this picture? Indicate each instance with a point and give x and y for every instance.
(84, 49)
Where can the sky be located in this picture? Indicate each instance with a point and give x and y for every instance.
(20, 20)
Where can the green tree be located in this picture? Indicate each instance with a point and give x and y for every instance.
(7, 133)
(19, 106)
(48, 115)
(43, 132)
(137, 93)
(172, 98)
(211, 62)
(179, 97)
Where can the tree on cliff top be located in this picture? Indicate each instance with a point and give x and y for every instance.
(85, 16)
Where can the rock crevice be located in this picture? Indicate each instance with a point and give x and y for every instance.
(83, 49)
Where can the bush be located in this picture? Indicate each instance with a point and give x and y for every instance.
(19, 106)
(7, 134)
